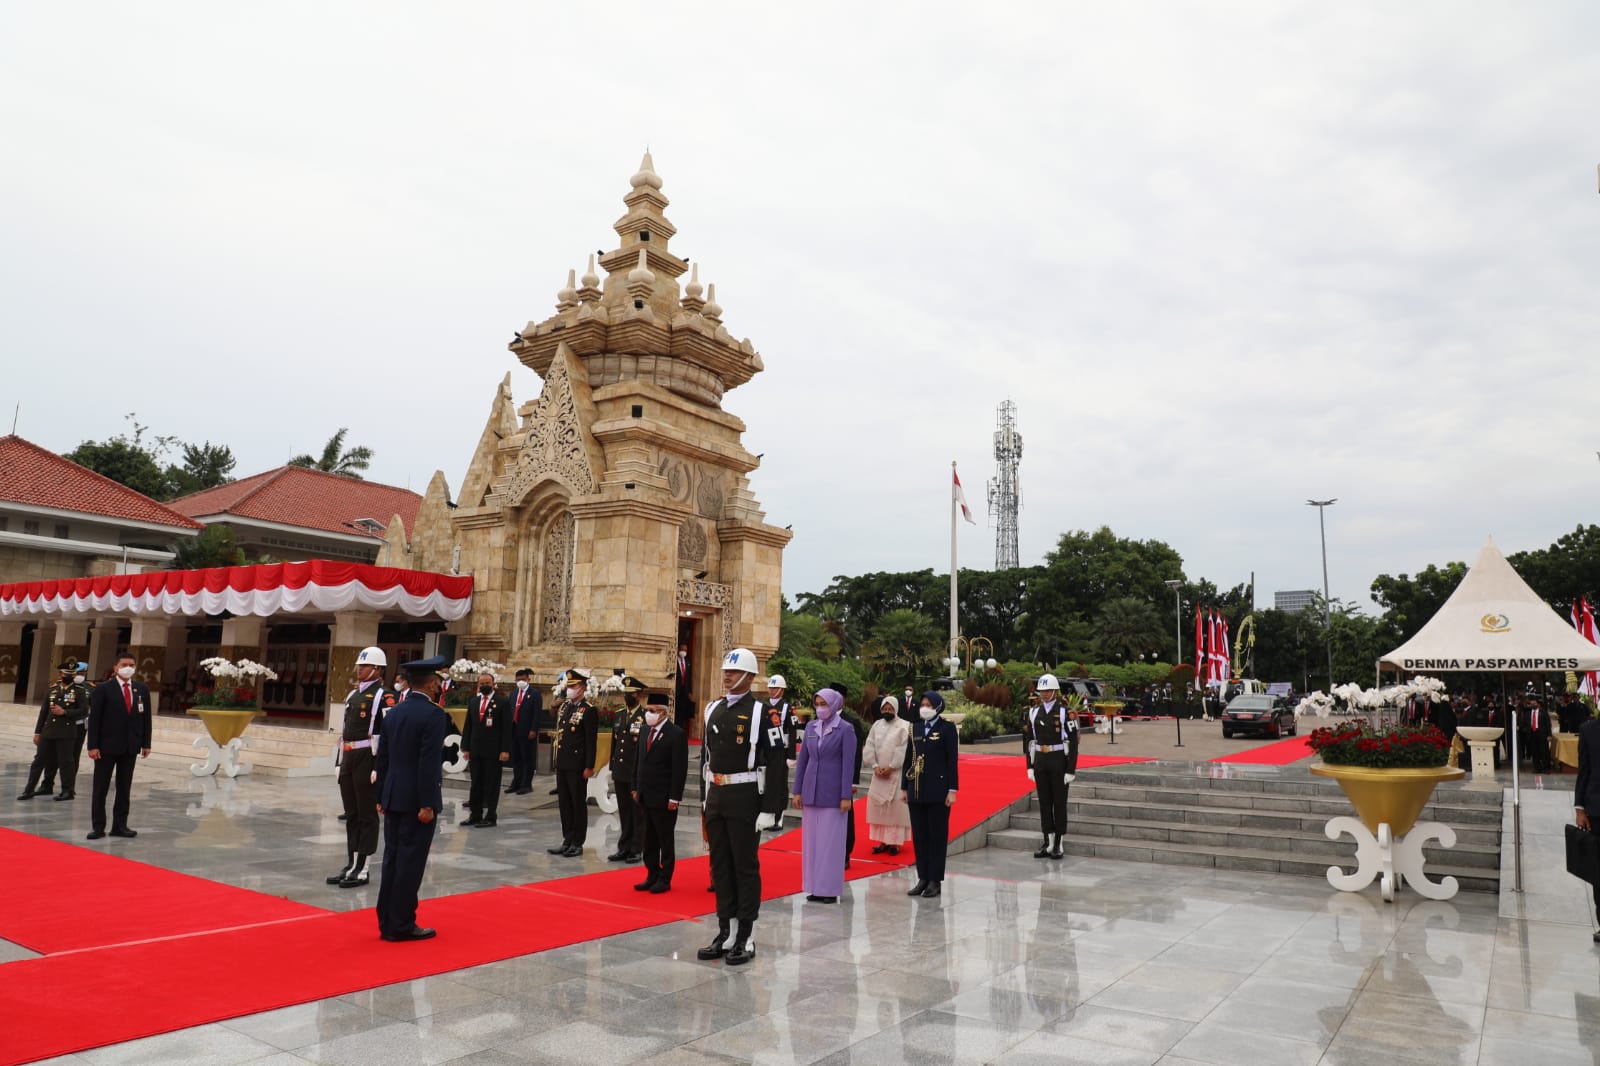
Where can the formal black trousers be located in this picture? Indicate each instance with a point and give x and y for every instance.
(930, 836)
(730, 815)
(524, 754)
(1049, 782)
(627, 816)
(660, 843)
(104, 767)
(483, 800)
(360, 801)
(572, 796)
(406, 842)
(54, 754)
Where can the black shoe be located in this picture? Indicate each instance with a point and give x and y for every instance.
(25, 796)
(646, 885)
(125, 832)
(894, 849)
(510, 790)
(632, 857)
(918, 888)
(414, 933)
(524, 791)
(471, 819)
(572, 851)
(1044, 850)
(487, 823)
(1057, 853)
(344, 817)
(59, 796)
(711, 888)
(659, 887)
(560, 849)
(880, 849)
(555, 792)
(715, 949)
(96, 834)
(1597, 938)
(356, 880)
(340, 876)
(741, 953)
(822, 899)
(617, 856)
(931, 891)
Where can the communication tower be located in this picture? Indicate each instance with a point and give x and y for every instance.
(1005, 495)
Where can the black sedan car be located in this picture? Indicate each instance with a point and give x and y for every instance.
(1258, 713)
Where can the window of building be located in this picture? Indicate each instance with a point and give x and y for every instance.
(30, 526)
(61, 531)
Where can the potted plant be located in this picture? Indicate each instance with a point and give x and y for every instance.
(234, 698)
(464, 685)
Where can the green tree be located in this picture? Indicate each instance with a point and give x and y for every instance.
(125, 462)
(1567, 569)
(336, 459)
(1409, 602)
(1127, 628)
(205, 466)
(1087, 569)
(214, 546)
(802, 636)
(902, 642)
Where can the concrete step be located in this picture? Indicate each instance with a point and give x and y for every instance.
(1210, 777)
(1472, 879)
(1486, 830)
(1475, 807)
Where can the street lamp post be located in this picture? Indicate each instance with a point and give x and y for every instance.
(1177, 631)
(1327, 608)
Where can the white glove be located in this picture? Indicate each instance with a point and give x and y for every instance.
(1030, 773)
(1069, 778)
(374, 777)
(766, 820)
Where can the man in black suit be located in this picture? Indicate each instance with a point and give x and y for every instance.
(526, 704)
(486, 745)
(410, 783)
(1537, 720)
(1586, 792)
(660, 771)
(683, 688)
(119, 734)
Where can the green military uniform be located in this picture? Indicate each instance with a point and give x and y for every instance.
(577, 730)
(625, 733)
(358, 761)
(57, 736)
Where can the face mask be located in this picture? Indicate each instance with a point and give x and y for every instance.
(486, 689)
(522, 686)
(824, 712)
(401, 690)
(573, 692)
(653, 718)
(927, 713)
(125, 672)
(78, 678)
(888, 712)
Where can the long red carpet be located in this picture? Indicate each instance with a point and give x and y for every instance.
(1290, 749)
(206, 952)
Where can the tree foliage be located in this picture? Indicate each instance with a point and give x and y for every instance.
(336, 458)
(136, 461)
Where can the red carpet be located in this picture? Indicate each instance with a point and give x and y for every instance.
(203, 954)
(1290, 749)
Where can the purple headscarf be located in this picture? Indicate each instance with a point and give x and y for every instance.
(832, 699)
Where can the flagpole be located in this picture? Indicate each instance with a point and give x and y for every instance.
(954, 631)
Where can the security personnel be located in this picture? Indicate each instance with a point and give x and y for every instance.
(929, 778)
(577, 730)
(734, 749)
(358, 749)
(625, 733)
(486, 745)
(1050, 752)
(55, 733)
(410, 771)
(783, 735)
(526, 704)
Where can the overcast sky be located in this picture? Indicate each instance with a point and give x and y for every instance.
(1224, 257)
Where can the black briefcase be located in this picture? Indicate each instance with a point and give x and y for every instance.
(1583, 854)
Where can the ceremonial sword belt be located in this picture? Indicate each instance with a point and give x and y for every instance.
(1050, 747)
(744, 777)
(350, 745)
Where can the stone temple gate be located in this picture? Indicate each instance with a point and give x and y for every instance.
(611, 519)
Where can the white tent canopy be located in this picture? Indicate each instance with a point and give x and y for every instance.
(1494, 623)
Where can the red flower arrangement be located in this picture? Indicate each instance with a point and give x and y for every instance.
(1358, 744)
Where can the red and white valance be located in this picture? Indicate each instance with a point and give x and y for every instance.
(268, 589)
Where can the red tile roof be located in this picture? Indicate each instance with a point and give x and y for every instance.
(300, 496)
(35, 477)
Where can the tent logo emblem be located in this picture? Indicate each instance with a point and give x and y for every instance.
(1495, 623)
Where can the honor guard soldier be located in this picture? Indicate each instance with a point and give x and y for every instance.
(783, 734)
(486, 745)
(358, 751)
(1050, 752)
(577, 729)
(929, 777)
(734, 748)
(56, 732)
(625, 733)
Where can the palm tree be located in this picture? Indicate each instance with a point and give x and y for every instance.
(335, 460)
(1127, 626)
(903, 640)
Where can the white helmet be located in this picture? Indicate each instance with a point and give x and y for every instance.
(777, 681)
(1047, 682)
(372, 657)
(742, 659)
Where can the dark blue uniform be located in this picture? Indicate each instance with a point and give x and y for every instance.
(1050, 750)
(928, 776)
(410, 779)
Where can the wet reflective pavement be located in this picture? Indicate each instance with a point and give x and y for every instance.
(1020, 961)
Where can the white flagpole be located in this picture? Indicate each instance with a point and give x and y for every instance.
(954, 631)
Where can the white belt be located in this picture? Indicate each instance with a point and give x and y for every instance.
(748, 777)
(1050, 747)
(352, 746)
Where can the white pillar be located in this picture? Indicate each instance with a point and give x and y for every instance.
(10, 659)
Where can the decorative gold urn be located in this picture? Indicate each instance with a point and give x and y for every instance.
(223, 723)
(1392, 794)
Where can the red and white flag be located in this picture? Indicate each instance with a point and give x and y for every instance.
(961, 497)
(1583, 622)
(1227, 654)
(1200, 673)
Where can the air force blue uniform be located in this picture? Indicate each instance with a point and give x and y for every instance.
(410, 779)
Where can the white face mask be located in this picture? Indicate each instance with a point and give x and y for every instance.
(653, 718)
(125, 672)
(573, 692)
(522, 686)
(78, 678)
(926, 712)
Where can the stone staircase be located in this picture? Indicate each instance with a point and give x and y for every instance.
(1246, 818)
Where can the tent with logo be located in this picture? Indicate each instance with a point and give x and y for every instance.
(1495, 623)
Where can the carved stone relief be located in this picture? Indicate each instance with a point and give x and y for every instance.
(555, 623)
(692, 542)
(696, 593)
(554, 445)
(708, 494)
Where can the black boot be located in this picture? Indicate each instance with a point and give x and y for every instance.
(344, 873)
(743, 950)
(1044, 849)
(716, 949)
(358, 875)
(916, 889)
(561, 849)
(1056, 852)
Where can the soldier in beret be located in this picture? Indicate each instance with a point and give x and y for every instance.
(577, 730)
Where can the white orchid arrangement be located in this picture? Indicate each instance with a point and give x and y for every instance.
(469, 669)
(1317, 703)
(1357, 700)
(234, 684)
(244, 671)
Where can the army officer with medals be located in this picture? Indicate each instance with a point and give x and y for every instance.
(577, 727)
(1050, 751)
(358, 754)
(735, 745)
(625, 732)
(929, 778)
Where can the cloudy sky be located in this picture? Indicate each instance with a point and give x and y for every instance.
(1224, 257)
